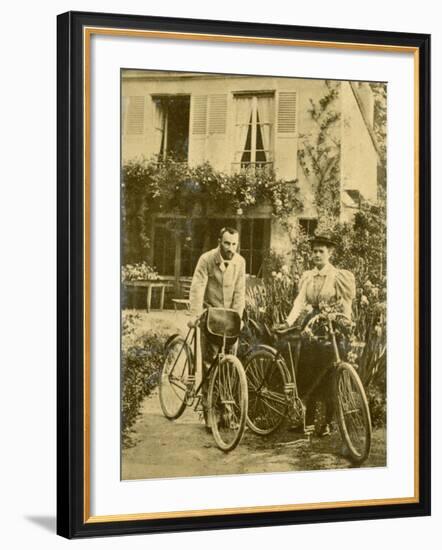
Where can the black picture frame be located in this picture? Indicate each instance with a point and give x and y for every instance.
(73, 519)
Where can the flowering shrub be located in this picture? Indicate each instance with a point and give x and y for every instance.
(319, 153)
(139, 272)
(175, 185)
(151, 187)
(141, 363)
(319, 329)
(129, 321)
(361, 246)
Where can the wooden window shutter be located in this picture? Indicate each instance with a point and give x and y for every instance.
(199, 108)
(135, 115)
(217, 113)
(287, 113)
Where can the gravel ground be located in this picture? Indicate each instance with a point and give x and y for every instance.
(182, 448)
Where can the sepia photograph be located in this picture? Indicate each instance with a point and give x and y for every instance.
(253, 274)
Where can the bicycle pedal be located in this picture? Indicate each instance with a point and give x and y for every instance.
(190, 382)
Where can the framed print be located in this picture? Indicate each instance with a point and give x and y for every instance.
(243, 274)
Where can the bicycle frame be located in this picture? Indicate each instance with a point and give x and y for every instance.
(278, 374)
(317, 382)
(192, 339)
(290, 362)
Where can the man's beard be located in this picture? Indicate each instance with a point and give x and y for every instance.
(227, 255)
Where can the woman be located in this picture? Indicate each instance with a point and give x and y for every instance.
(323, 284)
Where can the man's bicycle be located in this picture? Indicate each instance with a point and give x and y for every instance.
(221, 394)
(273, 389)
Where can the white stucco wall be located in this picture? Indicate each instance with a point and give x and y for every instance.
(358, 154)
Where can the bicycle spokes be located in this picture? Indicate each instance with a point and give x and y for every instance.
(175, 379)
(227, 396)
(228, 403)
(176, 371)
(267, 399)
(353, 413)
(351, 406)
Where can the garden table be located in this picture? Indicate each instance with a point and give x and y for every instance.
(149, 285)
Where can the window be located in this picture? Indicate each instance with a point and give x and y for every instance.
(254, 131)
(178, 243)
(172, 127)
(164, 247)
(356, 196)
(309, 225)
(254, 243)
(193, 244)
(200, 235)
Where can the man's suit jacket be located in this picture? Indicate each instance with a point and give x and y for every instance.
(216, 285)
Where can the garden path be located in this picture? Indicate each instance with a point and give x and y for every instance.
(183, 448)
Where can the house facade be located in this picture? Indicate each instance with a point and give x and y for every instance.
(241, 123)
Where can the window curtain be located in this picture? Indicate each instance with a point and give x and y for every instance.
(243, 114)
(159, 126)
(265, 113)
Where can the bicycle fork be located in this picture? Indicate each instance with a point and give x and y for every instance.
(296, 409)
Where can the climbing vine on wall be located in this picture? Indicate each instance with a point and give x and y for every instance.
(150, 187)
(379, 90)
(319, 154)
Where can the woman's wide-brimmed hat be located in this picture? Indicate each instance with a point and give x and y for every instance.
(322, 239)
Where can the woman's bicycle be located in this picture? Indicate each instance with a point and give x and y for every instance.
(272, 370)
(221, 393)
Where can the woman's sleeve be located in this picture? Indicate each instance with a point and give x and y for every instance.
(300, 300)
(346, 289)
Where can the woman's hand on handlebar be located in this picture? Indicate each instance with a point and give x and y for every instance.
(280, 327)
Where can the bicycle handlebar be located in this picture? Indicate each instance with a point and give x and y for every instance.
(282, 330)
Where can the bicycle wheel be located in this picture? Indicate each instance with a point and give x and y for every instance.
(227, 402)
(353, 414)
(266, 380)
(174, 375)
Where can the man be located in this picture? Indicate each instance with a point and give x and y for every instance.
(219, 280)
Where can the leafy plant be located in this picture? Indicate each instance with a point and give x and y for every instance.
(141, 364)
(369, 312)
(362, 244)
(151, 187)
(379, 90)
(270, 299)
(320, 152)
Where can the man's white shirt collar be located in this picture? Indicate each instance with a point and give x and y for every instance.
(222, 262)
